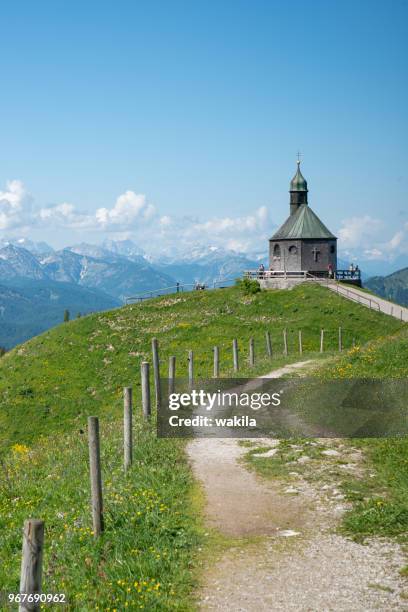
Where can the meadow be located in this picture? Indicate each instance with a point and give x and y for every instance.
(147, 557)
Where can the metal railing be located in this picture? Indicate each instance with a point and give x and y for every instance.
(179, 288)
(334, 285)
(265, 274)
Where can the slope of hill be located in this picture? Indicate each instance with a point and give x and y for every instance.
(51, 384)
(30, 307)
(110, 346)
(393, 287)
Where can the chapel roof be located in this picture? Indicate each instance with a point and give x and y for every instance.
(304, 223)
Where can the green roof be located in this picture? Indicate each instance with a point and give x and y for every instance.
(298, 183)
(304, 223)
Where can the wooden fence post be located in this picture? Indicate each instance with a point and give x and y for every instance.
(156, 370)
(285, 342)
(251, 352)
(216, 362)
(235, 354)
(300, 342)
(127, 428)
(190, 368)
(321, 340)
(392, 311)
(268, 344)
(95, 473)
(146, 403)
(172, 373)
(31, 563)
(340, 340)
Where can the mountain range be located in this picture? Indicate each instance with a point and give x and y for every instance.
(394, 287)
(118, 269)
(29, 307)
(37, 283)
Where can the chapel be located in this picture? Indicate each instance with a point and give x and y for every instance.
(303, 243)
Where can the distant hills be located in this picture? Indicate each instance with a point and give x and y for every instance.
(393, 287)
(29, 307)
(37, 283)
(119, 269)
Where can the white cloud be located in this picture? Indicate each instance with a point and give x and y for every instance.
(128, 207)
(396, 240)
(238, 225)
(65, 215)
(132, 215)
(242, 234)
(358, 231)
(165, 221)
(366, 237)
(15, 206)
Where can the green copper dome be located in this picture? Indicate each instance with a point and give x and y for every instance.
(298, 183)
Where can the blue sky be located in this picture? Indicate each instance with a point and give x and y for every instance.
(192, 113)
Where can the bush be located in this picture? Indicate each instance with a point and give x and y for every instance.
(248, 286)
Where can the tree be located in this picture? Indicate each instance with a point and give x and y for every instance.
(66, 316)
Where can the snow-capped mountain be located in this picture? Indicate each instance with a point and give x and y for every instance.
(125, 248)
(22, 262)
(37, 248)
(123, 271)
(116, 276)
(205, 265)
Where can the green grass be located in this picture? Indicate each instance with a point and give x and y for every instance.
(143, 560)
(50, 385)
(384, 509)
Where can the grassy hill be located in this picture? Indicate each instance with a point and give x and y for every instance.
(50, 385)
(394, 287)
(76, 369)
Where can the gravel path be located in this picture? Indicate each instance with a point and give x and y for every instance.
(298, 564)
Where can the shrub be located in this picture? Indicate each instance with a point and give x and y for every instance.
(248, 286)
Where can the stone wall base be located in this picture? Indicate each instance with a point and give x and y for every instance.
(280, 282)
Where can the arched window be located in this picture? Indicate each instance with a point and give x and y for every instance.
(276, 251)
(332, 248)
(292, 250)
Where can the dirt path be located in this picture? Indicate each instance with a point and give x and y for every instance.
(284, 554)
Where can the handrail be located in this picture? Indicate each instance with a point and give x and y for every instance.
(341, 289)
(178, 288)
(262, 274)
